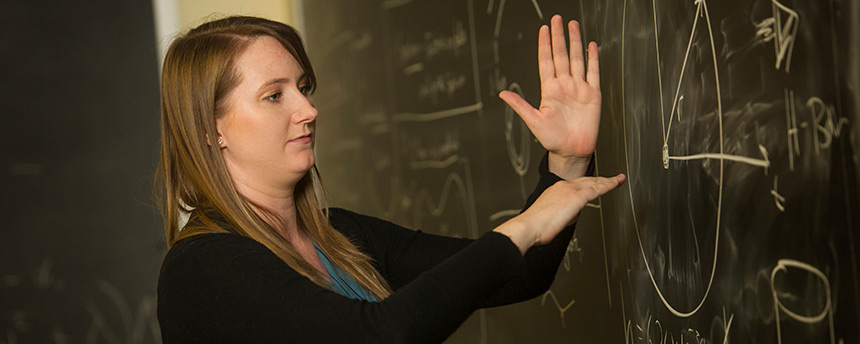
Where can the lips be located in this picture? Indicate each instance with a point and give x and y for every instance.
(306, 138)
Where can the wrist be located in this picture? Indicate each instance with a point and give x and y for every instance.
(519, 233)
(568, 167)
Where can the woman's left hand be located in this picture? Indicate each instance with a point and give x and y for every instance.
(568, 119)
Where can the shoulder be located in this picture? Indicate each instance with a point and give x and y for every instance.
(214, 245)
(356, 226)
(347, 217)
(213, 257)
(362, 230)
(217, 285)
(374, 236)
(336, 214)
(196, 272)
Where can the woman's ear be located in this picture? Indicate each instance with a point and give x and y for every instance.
(220, 141)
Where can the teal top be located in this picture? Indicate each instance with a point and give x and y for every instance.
(342, 282)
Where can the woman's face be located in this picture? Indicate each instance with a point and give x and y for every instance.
(268, 126)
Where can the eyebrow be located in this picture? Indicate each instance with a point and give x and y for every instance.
(281, 81)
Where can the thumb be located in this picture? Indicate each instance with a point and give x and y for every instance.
(520, 106)
(589, 188)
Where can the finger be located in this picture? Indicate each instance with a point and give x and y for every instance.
(599, 187)
(545, 67)
(620, 179)
(577, 64)
(593, 77)
(520, 106)
(592, 187)
(559, 50)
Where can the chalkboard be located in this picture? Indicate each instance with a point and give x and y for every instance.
(80, 241)
(735, 122)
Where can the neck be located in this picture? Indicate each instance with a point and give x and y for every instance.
(277, 197)
(281, 203)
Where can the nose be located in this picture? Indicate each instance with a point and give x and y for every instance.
(307, 112)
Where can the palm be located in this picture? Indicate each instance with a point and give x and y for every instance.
(568, 119)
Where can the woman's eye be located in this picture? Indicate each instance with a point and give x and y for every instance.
(274, 97)
(305, 90)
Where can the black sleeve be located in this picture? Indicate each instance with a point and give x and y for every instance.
(404, 254)
(542, 261)
(229, 288)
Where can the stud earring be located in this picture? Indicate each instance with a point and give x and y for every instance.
(220, 141)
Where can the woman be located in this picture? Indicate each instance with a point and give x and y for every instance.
(260, 260)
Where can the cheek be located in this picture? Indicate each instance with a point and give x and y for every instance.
(253, 128)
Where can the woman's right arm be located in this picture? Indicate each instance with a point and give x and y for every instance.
(556, 208)
(228, 288)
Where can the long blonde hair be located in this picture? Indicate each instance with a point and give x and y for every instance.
(198, 74)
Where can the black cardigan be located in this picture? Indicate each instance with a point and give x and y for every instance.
(224, 287)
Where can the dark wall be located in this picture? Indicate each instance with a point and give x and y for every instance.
(748, 233)
(80, 242)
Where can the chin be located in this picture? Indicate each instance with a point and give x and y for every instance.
(308, 162)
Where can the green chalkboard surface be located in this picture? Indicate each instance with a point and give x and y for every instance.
(735, 122)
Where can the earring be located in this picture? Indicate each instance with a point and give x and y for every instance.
(220, 141)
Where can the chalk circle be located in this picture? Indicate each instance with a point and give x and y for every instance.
(679, 202)
(781, 295)
(519, 159)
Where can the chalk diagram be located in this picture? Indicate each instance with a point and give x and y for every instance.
(664, 173)
(436, 71)
(429, 205)
(518, 137)
(437, 64)
(782, 31)
(521, 157)
(783, 301)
